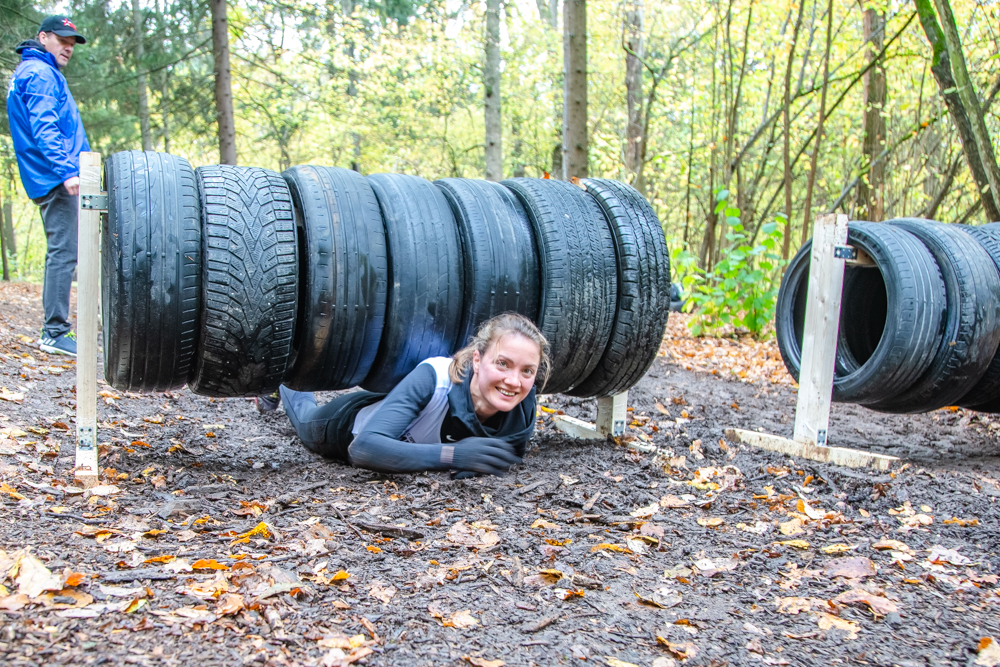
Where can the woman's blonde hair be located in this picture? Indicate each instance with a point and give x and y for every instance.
(492, 330)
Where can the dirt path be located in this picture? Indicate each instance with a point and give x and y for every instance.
(710, 554)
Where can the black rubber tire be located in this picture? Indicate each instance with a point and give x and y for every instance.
(878, 355)
(985, 395)
(150, 271)
(971, 334)
(343, 277)
(498, 250)
(643, 289)
(424, 305)
(579, 276)
(249, 281)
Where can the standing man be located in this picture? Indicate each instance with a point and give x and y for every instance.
(48, 138)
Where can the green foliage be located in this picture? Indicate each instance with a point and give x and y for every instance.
(741, 289)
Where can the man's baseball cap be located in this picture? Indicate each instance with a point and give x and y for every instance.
(62, 26)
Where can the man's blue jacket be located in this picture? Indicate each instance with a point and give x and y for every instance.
(44, 122)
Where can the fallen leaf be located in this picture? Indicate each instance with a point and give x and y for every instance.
(104, 490)
(160, 559)
(33, 578)
(14, 397)
(838, 548)
(796, 605)
(207, 564)
(989, 652)
(483, 662)
(827, 621)
(648, 511)
(381, 592)
(711, 521)
(135, 606)
(941, 555)
(962, 522)
(229, 604)
(792, 527)
(71, 579)
(374, 549)
(340, 575)
(798, 544)
(178, 565)
(880, 606)
(895, 545)
(851, 568)
(10, 491)
(663, 597)
(79, 599)
(14, 602)
(682, 650)
(475, 536)
(260, 530)
(604, 546)
(672, 502)
(542, 523)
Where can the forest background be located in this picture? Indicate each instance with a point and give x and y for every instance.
(711, 108)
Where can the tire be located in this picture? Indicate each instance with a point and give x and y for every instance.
(150, 271)
(424, 304)
(985, 395)
(971, 336)
(343, 277)
(498, 251)
(249, 281)
(579, 276)
(644, 289)
(890, 318)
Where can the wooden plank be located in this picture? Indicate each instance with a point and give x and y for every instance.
(576, 428)
(842, 456)
(87, 299)
(822, 324)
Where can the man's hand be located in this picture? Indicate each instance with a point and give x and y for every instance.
(72, 185)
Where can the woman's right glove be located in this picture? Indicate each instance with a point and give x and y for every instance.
(486, 455)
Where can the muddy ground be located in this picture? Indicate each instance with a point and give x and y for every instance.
(708, 553)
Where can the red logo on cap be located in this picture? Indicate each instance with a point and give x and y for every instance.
(69, 23)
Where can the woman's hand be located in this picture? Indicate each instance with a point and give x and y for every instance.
(485, 455)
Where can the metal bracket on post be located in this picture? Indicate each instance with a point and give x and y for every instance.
(92, 202)
(612, 412)
(830, 253)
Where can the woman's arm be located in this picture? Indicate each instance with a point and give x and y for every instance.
(379, 446)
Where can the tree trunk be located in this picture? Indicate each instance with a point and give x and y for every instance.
(165, 109)
(223, 83)
(575, 139)
(491, 92)
(941, 68)
(3, 245)
(811, 184)
(687, 186)
(632, 30)
(140, 67)
(786, 151)
(7, 230)
(871, 188)
(970, 99)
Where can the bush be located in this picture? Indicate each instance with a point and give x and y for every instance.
(742, 288)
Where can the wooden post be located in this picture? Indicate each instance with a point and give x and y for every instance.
(822, 324)
(611, 416)
(87, 298)
(819, 355)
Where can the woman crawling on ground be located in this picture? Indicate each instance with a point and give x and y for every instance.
(470, 413)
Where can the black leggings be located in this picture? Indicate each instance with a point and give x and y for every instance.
(326, 429)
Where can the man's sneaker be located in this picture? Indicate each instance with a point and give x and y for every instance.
(268, 402)
(64, 344)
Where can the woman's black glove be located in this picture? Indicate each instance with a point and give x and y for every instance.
(486, 455)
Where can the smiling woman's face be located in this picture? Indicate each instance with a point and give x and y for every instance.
(504, 375)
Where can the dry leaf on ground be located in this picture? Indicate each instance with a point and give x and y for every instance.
(381, 592)
(880, 606)
(475, 535)
(851, 568)
(682, 650)
(796, 605)
(827, 621)
(989, 652)
(483, 662)
(33, 578)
